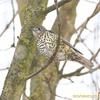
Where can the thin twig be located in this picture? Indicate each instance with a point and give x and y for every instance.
(13, 45)
(61, 71)
(95, 55)
(37, 72)
(97, 9)
(8, 24)
(58, 41)
(4, 69)
(6, 48)
(89, 51)
(89, 71)
(47, 80)
(90, 1)
(63, 97)
(75, 73)
(51, 91)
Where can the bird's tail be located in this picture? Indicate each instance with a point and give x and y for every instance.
(85, 62)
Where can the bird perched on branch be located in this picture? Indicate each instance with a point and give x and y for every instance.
(46, 41)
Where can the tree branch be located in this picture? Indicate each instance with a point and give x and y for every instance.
(53, 7)
(41, 69)
(96, 11)
(8, 24)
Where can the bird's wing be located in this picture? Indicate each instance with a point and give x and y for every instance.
(67, 43)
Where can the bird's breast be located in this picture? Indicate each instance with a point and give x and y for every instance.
(47, 44)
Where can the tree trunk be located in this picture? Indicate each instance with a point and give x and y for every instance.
(24, 53)
(22, 4)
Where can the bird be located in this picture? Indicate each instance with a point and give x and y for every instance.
(46, 41)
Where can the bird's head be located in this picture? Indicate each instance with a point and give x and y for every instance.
(38, 31)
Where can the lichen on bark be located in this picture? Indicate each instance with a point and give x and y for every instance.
(24, 53)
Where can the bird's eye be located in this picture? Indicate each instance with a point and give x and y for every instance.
(39, 28)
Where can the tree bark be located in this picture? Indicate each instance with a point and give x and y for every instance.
(67, 19)
(22, 4)
(24, 53)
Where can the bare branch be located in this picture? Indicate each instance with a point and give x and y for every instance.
(61, 71)
(59, 24)
(77, 72)
(41, 69)
(8, 24)
(13, 24)
(4, 69)
(89, 71)
(97, 9)
(63, 97)
(60, 3)
(47, 80)
(93, 56)
(14, 15)
(6, 48)
(90, 1)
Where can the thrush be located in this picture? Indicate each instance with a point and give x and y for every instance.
(46, 41)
